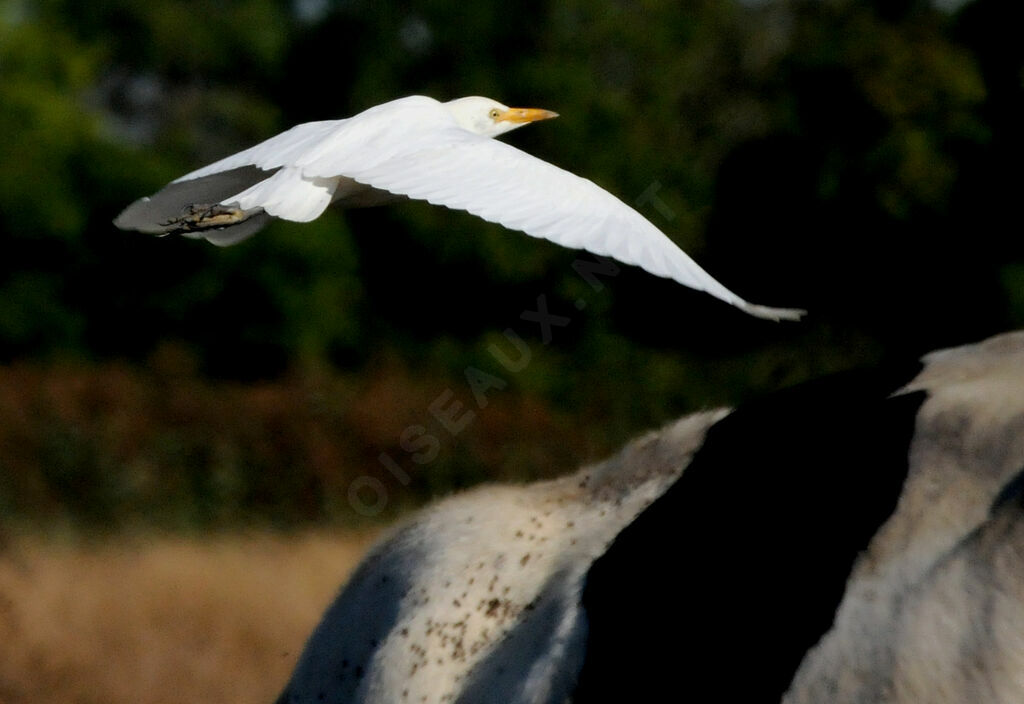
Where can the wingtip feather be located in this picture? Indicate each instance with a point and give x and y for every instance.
(776, 314)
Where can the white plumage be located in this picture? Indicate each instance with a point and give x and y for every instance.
(419, 148)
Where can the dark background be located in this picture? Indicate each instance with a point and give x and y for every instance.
(858, 159)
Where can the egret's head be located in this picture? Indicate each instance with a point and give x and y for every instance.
(490, 118)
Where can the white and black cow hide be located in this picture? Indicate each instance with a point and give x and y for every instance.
(855, 539)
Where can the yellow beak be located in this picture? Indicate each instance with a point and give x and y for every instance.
(523, 115)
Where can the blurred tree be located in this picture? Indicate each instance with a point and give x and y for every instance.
(858, 159)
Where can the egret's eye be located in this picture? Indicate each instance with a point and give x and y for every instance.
(495, 113)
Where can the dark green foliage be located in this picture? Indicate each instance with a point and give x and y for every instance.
(860, 160)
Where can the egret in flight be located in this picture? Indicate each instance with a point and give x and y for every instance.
(417, 147)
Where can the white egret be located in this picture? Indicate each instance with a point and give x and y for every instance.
(419, 148)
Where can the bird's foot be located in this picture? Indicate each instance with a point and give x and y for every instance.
(200, 216)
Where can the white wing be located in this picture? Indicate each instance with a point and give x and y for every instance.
(413, 147)
(286, 148)
(449, 166)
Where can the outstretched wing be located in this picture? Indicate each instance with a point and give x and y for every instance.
(497, 182)
(413, 147)
(231, 199)
(271, 154)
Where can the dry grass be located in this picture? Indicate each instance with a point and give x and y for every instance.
(163, 620)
